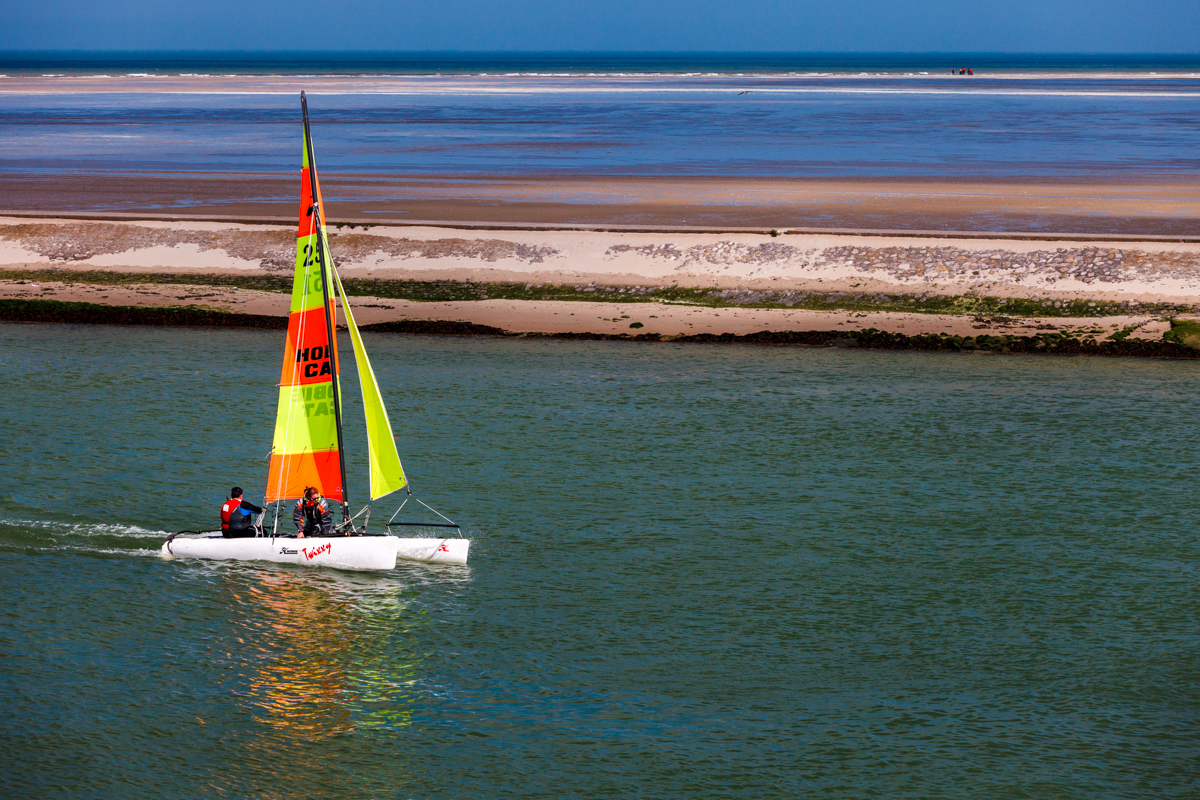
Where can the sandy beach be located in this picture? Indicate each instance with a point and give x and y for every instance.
(71, 260)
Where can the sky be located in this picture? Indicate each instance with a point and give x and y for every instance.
(1026, 26)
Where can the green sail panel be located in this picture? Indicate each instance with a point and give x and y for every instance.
(387, 474)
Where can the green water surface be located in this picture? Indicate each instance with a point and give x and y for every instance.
(696, 571)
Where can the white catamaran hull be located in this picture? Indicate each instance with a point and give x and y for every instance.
(446, 551)
(339, 552)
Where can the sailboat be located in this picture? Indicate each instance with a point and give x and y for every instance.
(308, 448)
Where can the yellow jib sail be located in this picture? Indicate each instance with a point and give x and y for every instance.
(387, 474)
(305, 449)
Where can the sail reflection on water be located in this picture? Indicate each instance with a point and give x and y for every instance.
(326, 654)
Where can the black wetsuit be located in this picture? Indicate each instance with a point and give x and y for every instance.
(240, 523)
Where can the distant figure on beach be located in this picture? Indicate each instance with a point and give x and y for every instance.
(962, 70)
(312, 515)
(970, 71)
(235, 516)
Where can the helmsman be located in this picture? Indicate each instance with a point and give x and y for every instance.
(236, 521)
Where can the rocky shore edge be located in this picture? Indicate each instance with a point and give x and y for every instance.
(1181, 342)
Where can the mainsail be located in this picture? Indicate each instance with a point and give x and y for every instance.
(307, 447)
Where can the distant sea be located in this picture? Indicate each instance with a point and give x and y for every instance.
(1103, 119)
(457, 63)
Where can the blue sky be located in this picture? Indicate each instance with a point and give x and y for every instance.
(1097, 26)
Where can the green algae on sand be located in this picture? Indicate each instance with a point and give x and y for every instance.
(1185, 332)
(449, 291)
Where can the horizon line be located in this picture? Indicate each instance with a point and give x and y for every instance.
(1107, 53)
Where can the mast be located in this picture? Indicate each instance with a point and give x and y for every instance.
(329, 330)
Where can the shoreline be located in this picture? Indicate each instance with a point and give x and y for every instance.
(74, 313)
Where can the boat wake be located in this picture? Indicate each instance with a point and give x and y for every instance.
(41, 535)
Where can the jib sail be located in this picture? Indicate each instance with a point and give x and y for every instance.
(387, 474)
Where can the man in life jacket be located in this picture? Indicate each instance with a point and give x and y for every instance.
(312, 515)
(235, 516)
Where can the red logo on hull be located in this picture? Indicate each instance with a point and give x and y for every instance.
(316, 551)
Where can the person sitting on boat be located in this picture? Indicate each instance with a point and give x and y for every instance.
(236, 521)
(312, 515)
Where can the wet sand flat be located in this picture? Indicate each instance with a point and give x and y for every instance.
(1170, 208)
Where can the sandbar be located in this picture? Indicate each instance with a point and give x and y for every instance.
(68, 260)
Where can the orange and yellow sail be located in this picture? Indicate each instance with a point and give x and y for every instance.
(305, 449)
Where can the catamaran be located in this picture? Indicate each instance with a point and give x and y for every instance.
(308, 448)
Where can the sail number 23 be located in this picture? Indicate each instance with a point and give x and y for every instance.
(314, 280)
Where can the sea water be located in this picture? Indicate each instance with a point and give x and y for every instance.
(1111, 118)
(696, 571)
